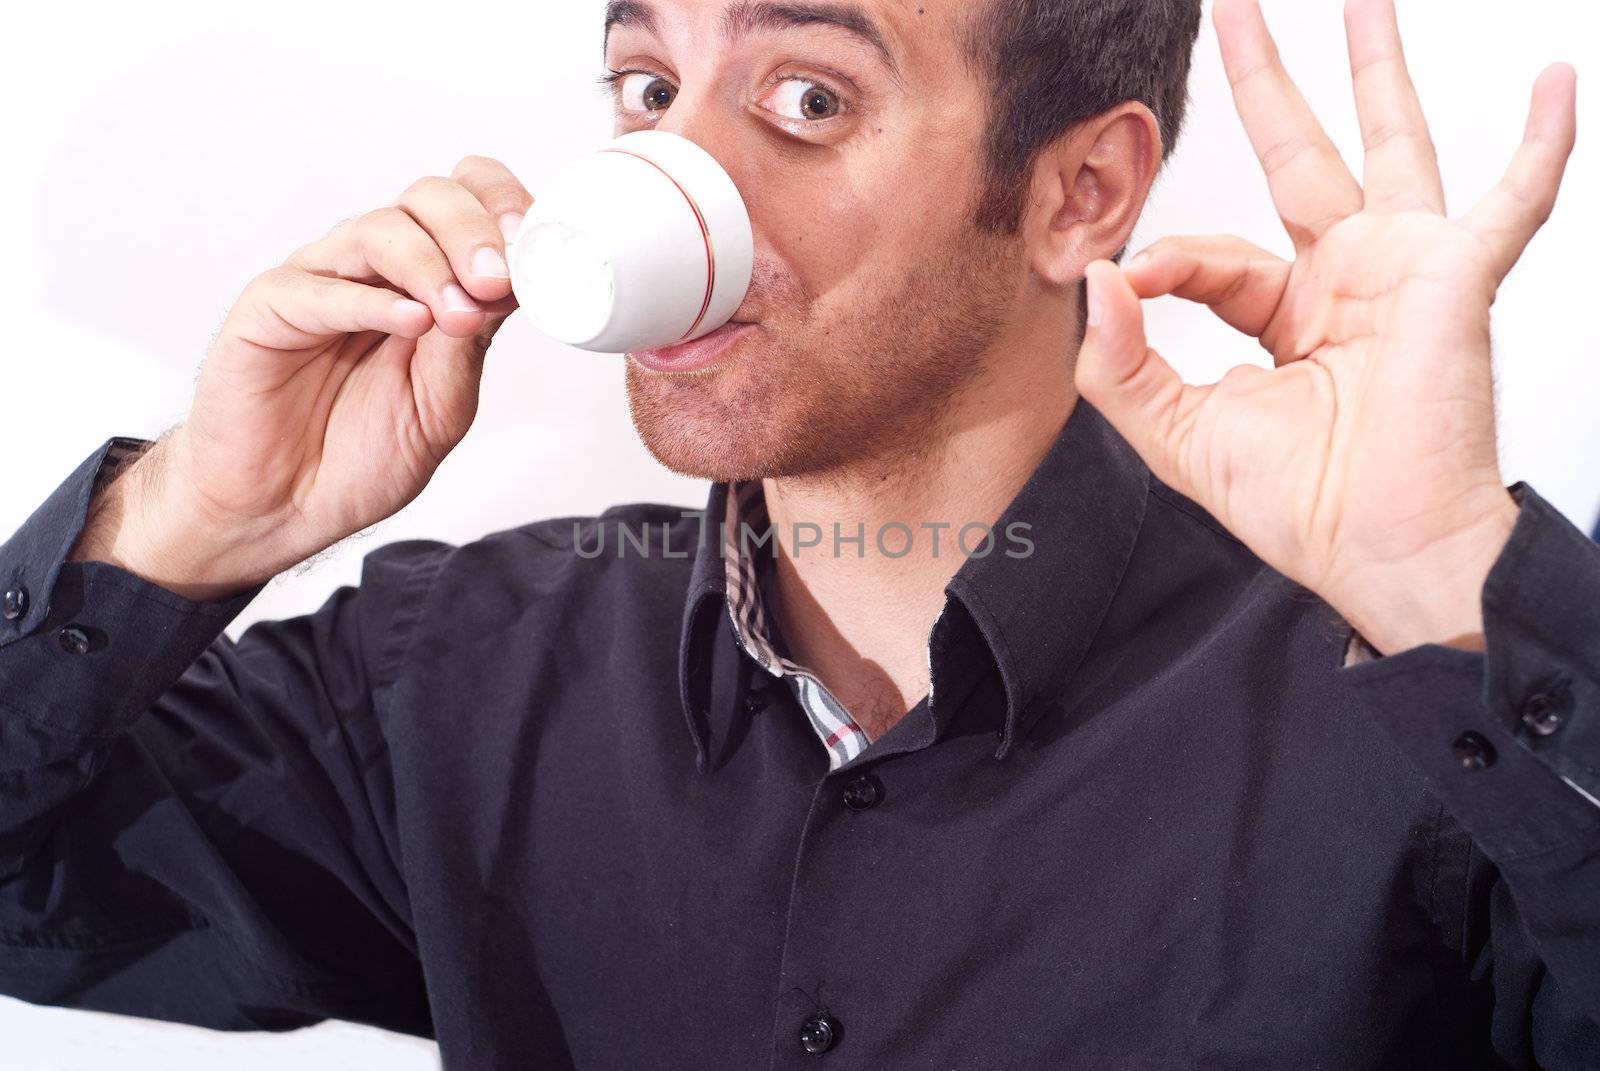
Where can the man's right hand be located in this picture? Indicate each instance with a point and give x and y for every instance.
(339, 382)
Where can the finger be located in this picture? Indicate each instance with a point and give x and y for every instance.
(1402, 166)
(292, 309)
(1511, 214)
(499, 310)
(447, 377)
(1130, 383)
(461, 226)
(1310, 184)
(1241, 282)
(503, 196)
(388, 246)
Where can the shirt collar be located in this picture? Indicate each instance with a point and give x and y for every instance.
(1084, 506)
(1036, 608)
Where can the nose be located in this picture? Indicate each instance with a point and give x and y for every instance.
(708, 124)
(723, 132)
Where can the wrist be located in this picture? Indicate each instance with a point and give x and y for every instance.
(144, 523)
(1434, 596)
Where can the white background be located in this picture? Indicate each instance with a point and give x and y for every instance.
(160, 154)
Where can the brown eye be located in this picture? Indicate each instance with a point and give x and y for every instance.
(819, 104)
(803, 100)
(640, 91)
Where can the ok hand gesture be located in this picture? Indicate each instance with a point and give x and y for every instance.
(1363, 465)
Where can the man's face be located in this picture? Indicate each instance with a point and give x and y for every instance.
(874, 297)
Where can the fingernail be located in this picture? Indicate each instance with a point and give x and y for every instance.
(456, 299)
(407, 307)
(488, 263)
(1139, 261)
(510, 224)
(1096, 310)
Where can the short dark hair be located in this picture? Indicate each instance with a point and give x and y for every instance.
(1051, 64)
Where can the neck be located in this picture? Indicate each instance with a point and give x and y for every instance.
(859, 618)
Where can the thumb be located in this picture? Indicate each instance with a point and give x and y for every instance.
(446, 374)
(1121, 376)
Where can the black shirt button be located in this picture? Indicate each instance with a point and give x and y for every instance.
(819, 1033)
(75, 639)
(14, 603)
(1543, 713)
(755, 701)
(863, 793)
(1473, 752)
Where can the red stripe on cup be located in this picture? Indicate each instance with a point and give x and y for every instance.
(705, 234)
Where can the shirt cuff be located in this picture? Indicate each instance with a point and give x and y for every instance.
(1509, 737)
(85, 646)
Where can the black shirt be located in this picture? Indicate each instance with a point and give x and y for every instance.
(537, 803)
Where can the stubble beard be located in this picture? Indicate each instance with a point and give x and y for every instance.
(864, 393)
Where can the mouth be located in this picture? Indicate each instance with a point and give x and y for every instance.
(698, 355)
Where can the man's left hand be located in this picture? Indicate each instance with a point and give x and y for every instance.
(1364, 464)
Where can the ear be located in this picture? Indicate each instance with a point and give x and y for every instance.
(1089, 187)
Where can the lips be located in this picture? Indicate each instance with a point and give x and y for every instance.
(696, 355)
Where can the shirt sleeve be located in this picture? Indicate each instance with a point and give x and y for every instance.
(1509, 740)
(193, 829)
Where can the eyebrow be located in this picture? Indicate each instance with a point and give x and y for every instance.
(749, 16)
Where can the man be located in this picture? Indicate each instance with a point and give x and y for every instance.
(1248, 726)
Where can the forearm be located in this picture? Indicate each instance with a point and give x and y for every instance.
(1508, 735)
(87, 646)
(145, 757)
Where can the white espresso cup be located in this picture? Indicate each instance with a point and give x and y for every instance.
(641, 244)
